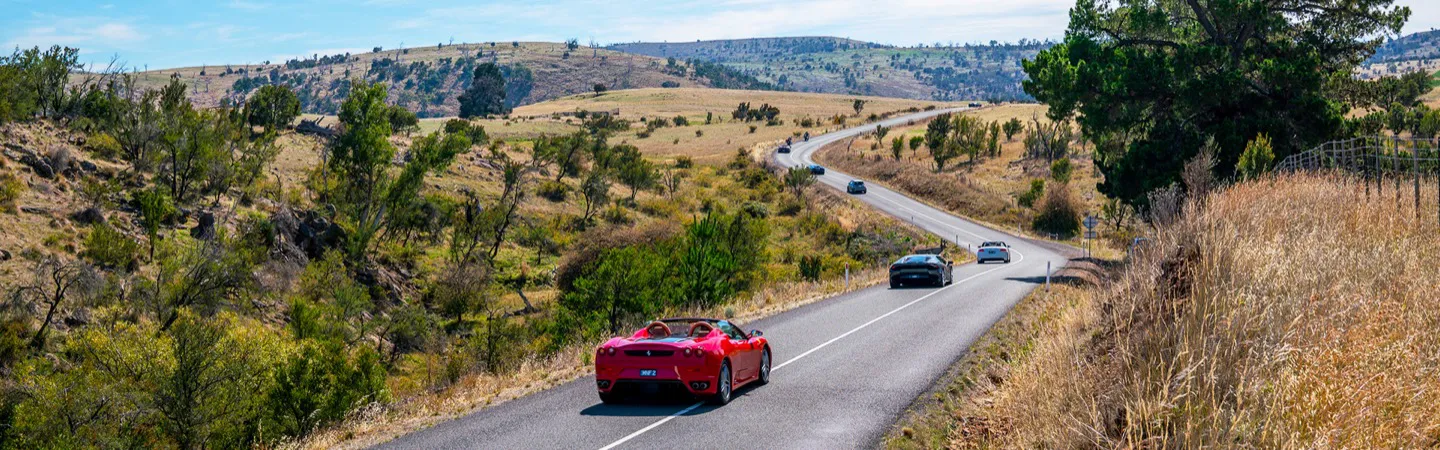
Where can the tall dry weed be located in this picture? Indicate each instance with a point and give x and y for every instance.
(1283, 313)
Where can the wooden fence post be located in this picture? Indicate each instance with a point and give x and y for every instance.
(1415, 173)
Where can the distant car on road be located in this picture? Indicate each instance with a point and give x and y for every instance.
(927, 269)
(993, 251)
(706, 358)
(976, 105)
(783, 149)
(855, 187)
(816, 169)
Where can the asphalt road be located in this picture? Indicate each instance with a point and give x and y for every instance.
(845, 368)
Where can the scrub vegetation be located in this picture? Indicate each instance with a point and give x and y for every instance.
(180, 276)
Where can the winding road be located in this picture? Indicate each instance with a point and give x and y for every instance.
(845, 368)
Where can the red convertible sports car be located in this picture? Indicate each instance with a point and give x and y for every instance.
(707, 358)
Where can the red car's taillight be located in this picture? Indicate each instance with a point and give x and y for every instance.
(610, 351)
(686, 352)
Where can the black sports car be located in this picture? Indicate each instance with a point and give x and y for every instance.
(932, 270)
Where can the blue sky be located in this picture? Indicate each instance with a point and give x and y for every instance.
(159, 34)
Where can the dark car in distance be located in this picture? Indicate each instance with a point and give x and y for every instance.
(783, 149)
(816, 169)
(919, 269)
(855, 187)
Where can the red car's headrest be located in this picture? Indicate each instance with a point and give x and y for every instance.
(699, 329)
(657, 330)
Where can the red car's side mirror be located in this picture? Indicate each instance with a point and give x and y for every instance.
(756, 333)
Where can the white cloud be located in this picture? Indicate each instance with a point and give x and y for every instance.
(80, 32)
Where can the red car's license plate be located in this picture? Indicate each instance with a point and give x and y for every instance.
(647, 372)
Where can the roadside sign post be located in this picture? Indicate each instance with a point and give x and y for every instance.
(1090, 223)
(847, 276)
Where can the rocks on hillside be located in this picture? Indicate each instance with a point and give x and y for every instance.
(88, 216)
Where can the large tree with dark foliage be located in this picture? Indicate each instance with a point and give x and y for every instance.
(273, 107)
(1150, 81)
(486, 95)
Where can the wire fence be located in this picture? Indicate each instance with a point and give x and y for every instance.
(1377, 161)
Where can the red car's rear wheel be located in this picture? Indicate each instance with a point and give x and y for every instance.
(723, 385)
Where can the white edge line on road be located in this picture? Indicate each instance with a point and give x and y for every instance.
(682, 412)
(652, 426)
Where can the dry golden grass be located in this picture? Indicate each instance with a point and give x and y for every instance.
(719, 140)
(1431, 99)
(694, 102)
(1285, 313)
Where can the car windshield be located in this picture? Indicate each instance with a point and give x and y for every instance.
(916, 259)
(857, 183)
(680, 329)
(993, 244)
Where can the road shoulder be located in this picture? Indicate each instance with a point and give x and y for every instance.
(940, 411)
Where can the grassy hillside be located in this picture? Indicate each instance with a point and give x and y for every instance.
(428, 79)
(834, 65)
(718, 140)
(715, 142)
(1422, 45)
(1261, 320)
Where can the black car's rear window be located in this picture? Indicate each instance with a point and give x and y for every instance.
(917, 259)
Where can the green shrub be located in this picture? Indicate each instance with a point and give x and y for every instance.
(1061, 169)
(1028, 198)
(103, 145)
(10, 190)
(322, 384)
(617, 215)
(810, 267)
(756, 209)
(109, 248)
(554, 191)
(684, 162)
(790, 206)
(1256, 159)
